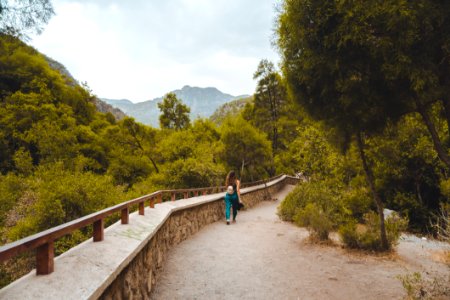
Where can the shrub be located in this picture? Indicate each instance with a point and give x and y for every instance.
(358, 201)
(294, 200)
(367, 236)
(59, 196)
(419, 288)
(316, 205)
(348, 234)
(317, 221)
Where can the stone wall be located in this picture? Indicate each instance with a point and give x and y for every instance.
(138, 278)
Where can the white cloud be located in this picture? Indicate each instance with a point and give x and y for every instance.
(142, 50)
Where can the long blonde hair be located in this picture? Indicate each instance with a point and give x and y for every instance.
(231, 178)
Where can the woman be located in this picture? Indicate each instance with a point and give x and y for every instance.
(233, 196)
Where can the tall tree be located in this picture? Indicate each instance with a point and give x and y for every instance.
(174, 114)
(332, 73)
(23, 17)
(359, 65)
(269, 100)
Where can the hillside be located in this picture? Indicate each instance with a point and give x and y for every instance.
(231, 108)
(101, 106)
(202, 101)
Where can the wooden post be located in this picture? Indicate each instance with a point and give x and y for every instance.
(141, 208)
(152, 202)
(186, 195)
(196, 194)
(204, 192)
(173, 196)
(44, 259)
(99, 226)
(125, 216)
(159, 198)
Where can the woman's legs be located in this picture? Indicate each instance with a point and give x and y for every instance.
(227, 208)
(235, 203)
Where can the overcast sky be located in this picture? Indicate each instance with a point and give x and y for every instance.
(142, 49)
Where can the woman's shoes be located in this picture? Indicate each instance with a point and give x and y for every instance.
(228, 222)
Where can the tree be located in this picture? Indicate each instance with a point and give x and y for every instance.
(245, 148)
(135, 140)
(22, 17)
(269, 101)
(412, 41)
(174, 114)
(333, 73)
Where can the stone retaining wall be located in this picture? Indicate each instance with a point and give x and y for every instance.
(138, 278)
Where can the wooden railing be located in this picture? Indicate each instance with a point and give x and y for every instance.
(43, 241)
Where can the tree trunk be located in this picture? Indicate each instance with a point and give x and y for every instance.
(446, 103)
(376, 197)
(242, 168)
(154, 164)
(442, 154)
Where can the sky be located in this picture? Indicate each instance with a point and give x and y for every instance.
(142, 49)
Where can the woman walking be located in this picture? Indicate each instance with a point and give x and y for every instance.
(233, 196)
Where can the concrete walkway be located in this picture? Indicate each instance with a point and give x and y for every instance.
(261, 257)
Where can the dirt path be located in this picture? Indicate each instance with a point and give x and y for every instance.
(261, 257)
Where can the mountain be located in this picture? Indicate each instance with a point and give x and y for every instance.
(202, 101)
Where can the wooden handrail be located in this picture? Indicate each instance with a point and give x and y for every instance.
(43, 241)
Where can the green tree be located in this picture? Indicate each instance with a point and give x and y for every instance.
(331, 73)
(174, 114)
(269, 101)
(245, 148)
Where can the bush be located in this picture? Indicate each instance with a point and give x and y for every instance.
(59, 196)
(316, 205)
(419, 288)
(349, 235)
(316, 220)
(294, 200)
(367, 236)
(358, 201)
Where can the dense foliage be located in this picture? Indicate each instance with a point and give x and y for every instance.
(365, 68)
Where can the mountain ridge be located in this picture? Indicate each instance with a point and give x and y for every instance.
(202, 101)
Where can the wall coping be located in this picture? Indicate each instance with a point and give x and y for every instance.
(86, 270)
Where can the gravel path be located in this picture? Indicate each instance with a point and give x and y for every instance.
(261, 257)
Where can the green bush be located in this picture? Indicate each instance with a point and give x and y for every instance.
(294, 200)
(358, 201)
(59, 196)
(316, 220)
(348, 234)
(316, 205)
(367, 236)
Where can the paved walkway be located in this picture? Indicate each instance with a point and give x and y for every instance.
(261, 257)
